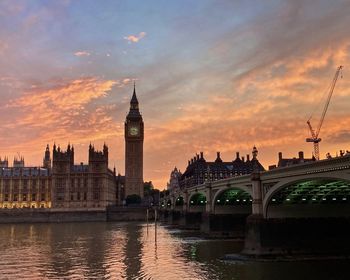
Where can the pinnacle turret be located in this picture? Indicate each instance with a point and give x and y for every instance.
(134, 112)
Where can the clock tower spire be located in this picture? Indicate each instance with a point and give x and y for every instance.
(134, 135)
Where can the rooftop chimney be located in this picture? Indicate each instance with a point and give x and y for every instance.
(301, 155)
(280, 155)
(248, 158)
(218, 159)
(201, 155)
(237, 154)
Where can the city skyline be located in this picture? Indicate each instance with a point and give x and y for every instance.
(209, 77)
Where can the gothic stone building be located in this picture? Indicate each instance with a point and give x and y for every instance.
(174, 181)
(134, 135)
(200, 171)
(60, 185)
(78, 186)
(22, 186)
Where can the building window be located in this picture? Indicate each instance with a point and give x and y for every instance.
(7, 185)
(85, 196)
(24, 198)
(71, 197)
(15, 197)
(33, 196)
(6, 197)
(78, 196)
(42, 197)
(96, 195)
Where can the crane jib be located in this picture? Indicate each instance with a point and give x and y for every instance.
(314, 134)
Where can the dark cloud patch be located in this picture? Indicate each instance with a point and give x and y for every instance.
(340, 137)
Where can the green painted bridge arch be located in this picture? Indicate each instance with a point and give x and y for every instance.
(232, 201)
(179, 201)
(197, 202)
(317, 197)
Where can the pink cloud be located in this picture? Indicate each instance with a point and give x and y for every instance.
(82, 53)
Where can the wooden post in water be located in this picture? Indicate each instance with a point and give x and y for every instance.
(155, 224)
(147, 219)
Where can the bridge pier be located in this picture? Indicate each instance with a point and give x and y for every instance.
(209, 195)
(223, 225)
(297, 236)
(190, 220)
(257, 204)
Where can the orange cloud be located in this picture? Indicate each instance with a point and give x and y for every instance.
(63, 112)
(135, 38)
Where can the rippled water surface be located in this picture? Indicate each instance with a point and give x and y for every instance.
(131, 251)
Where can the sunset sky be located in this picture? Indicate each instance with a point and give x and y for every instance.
(210, 76)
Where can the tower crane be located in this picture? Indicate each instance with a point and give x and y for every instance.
(314, 133)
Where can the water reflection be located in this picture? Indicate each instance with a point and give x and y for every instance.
(128, 251)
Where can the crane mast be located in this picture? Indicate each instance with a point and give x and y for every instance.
(314, 134)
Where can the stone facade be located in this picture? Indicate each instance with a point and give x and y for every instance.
(174, 181)
(62, 185)
(25, 187)
(134, 135)
(200, 171)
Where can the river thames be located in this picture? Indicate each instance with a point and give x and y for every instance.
(131, 251)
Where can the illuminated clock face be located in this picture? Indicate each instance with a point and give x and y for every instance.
(134, 131)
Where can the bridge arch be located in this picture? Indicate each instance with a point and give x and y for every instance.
(239, 188)
(232, 201)
(179, 201)
(197, 199)
(307, 193)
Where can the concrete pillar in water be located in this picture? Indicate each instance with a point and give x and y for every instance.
(173, 201)
(209, 195)
(255, 222)
(257, 207)
(185, 205)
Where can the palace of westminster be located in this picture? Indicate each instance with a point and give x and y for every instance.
(59, 183)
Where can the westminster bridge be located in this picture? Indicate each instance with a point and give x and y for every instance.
(309, 202)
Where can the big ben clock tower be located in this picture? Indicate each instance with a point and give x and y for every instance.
(134, 149)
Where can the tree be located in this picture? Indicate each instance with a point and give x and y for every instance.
(148, 187)
(133, 199)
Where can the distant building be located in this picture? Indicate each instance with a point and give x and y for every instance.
(200, 171)
(283, 162)
(174, 181)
